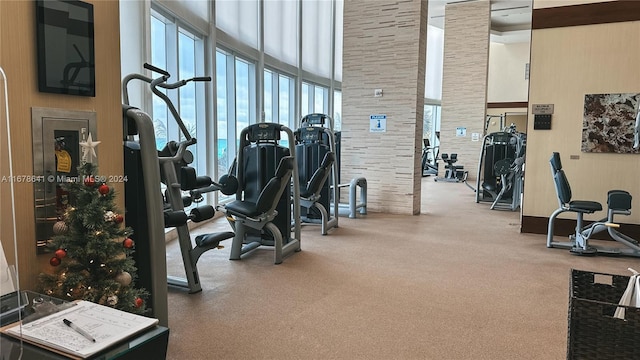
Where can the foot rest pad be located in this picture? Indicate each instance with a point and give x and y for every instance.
(213, 239)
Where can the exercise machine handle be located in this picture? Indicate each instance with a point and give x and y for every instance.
(156, 69)
(170, 105)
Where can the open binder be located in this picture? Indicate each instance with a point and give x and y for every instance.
(106, 325)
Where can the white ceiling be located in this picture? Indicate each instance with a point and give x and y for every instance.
(510, 19)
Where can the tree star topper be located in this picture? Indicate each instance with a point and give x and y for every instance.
(88, 149)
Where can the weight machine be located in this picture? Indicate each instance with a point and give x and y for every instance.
(618, 202)
(261, 215)
(316, 158)
(500, 177)
(173, 171)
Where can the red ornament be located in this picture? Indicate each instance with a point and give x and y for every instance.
(61, 253)
(128, 243)
(139, 302)
(54, 261)
(103, 189)
(89, 181)
(119, 219)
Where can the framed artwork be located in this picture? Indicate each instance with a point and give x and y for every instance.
(609, 123)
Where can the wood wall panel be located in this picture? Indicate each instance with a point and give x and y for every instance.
(566, 64)
(18, 58)
(585, 14)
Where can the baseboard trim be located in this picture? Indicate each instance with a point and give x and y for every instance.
(565, 227)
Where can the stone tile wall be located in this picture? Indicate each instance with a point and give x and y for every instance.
(384, 48)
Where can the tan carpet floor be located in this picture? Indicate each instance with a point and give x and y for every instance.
(457, 282)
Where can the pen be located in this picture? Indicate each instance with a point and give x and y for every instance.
(78, 330)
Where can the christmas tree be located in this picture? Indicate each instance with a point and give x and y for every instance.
(92, 249)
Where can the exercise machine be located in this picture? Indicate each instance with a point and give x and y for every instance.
(501, 165)
(176, 175)
(618, 202)
(316, 158)
(453, 172)
(429, 159)
(262, 213)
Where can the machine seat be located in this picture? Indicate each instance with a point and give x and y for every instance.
(268, 198)
(584, 206)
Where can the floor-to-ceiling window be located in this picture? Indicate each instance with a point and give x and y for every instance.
(315, 99)
(179, 51)
(337, 110)
(236, 103)
(268, 65)
(279, 98)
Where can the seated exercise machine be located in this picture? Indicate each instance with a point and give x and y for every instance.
(618, 201)
(315, 155)
(500, 177)
(357, 185)
(177, 176)
(453, 173)
(262, 213)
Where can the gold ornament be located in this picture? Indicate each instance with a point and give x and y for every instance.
(60, 228)
(123, 278)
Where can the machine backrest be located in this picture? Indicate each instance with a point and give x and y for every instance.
(556, 164)
(563, 189)
(267, 200)
(445, 156)
(319, 176)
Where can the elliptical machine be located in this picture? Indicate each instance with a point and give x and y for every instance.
(429, 159)
(176, 174)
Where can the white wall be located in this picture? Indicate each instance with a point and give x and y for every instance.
(134, 22)
(539, 4)
(506, 81)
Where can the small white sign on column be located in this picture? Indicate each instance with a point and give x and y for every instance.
(378, 123)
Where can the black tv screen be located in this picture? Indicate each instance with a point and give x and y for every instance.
(66, 61)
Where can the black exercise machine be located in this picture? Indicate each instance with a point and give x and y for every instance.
(429, 159)
(262, 213)
(618, 202)
(174, 172)
(501, 169)
(317, 160)
(453, 172)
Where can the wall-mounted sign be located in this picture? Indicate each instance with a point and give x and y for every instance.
(461, 131)
(378, 123)
(542, 109)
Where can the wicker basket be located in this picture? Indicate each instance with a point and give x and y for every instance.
(593, 331)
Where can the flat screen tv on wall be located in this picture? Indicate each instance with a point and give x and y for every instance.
(66, 61)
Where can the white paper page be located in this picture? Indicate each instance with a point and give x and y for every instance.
(106, 325)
